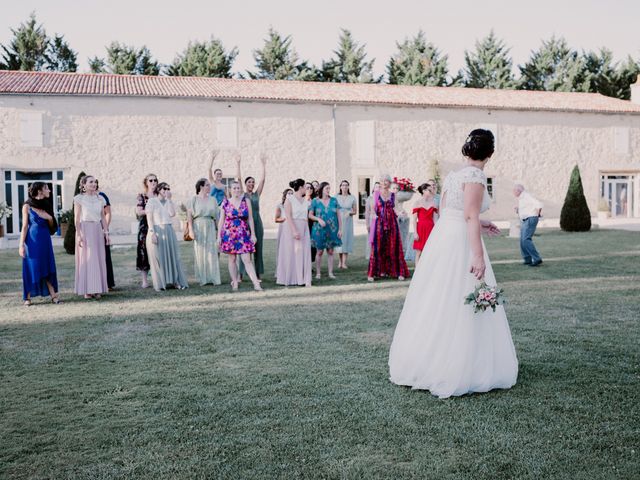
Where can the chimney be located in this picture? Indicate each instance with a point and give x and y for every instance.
(635, 90)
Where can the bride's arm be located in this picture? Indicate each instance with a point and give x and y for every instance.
(473, 193)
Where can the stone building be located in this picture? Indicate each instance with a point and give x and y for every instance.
(119, 128)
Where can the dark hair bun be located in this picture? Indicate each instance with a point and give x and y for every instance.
(422, 188)
(296, 184)
(479, 145)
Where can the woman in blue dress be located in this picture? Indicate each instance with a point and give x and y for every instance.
(39, 277)
(218, 189)
(326, 232)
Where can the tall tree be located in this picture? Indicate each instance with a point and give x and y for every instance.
(417, 62)
(60, 57)
(489, 66)
(626, 74)
(125, 60)
(349, 64)
(204, 59)
(555, 67)
(28, 47)
(277, 60)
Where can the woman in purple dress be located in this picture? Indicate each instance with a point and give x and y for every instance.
(387, 256)
(237, 235)
(39, 277)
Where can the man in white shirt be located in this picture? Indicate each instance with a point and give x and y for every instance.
(529, 210)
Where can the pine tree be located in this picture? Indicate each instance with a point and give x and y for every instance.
(277, 60)
(575, 215)
(28, 47)
(97, 65)
(69, 241)
(60, 57)
(417, 62)
(626, 74)
(204, 59)
(350, 64)
(125, 60)
(489, 66)
(555, 67)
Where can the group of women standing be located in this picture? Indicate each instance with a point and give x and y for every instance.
(312, 222)
(220, 219)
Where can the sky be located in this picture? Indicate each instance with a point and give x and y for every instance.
(453, 26)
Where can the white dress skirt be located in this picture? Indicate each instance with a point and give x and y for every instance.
(440, 344)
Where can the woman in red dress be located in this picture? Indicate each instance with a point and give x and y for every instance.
(423, 213)
(387, 257)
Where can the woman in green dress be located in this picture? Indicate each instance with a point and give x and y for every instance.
(252, 193)
(202, 214)
(327, 227)
(347, 209)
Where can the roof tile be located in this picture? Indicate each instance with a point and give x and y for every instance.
(54, 83)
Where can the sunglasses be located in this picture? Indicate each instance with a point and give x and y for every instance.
(153, 180)
(167, 189)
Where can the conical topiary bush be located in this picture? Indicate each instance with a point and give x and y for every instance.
(70, 236)
(575, 215)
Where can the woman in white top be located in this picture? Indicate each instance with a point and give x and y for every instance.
(280, 219)
(294, 250)
(92, 235)
(162, 246)
(440, 344)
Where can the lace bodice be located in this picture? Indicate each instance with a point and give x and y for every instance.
(452, 188)
(299, 209)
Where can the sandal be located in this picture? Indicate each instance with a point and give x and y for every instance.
(27, 302)
(234, 286)
(56, 299)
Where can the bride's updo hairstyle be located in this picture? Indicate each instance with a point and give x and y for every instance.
(479, 145)
(296, 184)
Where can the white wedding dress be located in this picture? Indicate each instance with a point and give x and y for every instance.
(440, 344)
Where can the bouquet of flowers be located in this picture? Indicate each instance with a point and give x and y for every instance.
(5, 211)
(404, 184)
(485, 296)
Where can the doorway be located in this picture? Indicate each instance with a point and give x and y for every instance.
(619, 191)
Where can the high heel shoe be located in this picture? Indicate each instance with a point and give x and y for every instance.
(257, 287)
(234, 286)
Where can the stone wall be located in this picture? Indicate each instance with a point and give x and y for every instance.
(120, 140)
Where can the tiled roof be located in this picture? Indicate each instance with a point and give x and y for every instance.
(53, 83)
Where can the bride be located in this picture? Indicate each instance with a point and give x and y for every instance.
(440, 344)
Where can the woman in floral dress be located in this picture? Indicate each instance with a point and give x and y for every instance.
(237, 237)
(387, 256)
(149, 184)
(326, 233)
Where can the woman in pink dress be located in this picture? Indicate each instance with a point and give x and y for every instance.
(422, 217)
(237, 235)
(294, 249)
(91, 236)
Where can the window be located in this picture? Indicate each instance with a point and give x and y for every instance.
(16, 186)
(621, 140)
(620, 191)
(365, 143)
(227, 132)
(490, 189)
(31, 131)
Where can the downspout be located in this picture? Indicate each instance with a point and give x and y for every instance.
(334, 183)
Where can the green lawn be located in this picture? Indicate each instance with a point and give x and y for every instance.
(292, 383)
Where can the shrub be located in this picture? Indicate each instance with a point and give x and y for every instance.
(575, 215)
